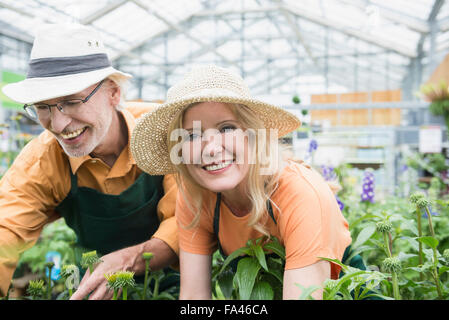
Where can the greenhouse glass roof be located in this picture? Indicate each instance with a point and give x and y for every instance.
(281, 47)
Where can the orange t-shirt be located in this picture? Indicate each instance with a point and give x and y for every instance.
(309, 222)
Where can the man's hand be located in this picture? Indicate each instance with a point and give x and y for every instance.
(95, 283)
(128, 259)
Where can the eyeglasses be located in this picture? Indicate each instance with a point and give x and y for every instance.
(68, 107)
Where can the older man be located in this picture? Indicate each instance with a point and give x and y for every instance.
(80, 167)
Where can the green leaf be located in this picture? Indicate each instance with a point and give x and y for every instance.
(410, 225)
(443, 270)
(364, 235)
(232, 256)
(262, 291)
(430, 241)
(405, 256)
(275, 269)
(306, 292)
(361, 219)
(275, 247)
(247, 270)
(225, 283)
(336, 261)
(343, 281)
(357, 251)
(260, 255)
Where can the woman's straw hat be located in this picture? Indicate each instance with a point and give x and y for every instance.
(65, 59)
(204, 83)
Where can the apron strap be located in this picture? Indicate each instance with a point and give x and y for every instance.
(73, 181)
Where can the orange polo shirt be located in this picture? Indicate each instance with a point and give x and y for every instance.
(309, 222)
(39, 180)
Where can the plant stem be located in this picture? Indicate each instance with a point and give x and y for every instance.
(387, 244)
(156, 287)
(114, 297)
(435, 259)
(396, 294)
(420, 252)
(429, 218)
(49, 284)
(437, 282)
(125, 293)
(145, 282)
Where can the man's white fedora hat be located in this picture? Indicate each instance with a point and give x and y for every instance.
(65, 59)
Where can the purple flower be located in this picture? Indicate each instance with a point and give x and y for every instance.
(328, 173)
(313, 145)
(340, 203)
(368, 187)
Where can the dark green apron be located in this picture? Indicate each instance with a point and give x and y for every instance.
(107, 223)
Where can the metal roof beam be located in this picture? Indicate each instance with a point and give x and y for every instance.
(303, 13)
(392, 15)
(103, 11)
(214, 13)
(210, 47)
(297, 33)
(328, 22)
(10, 31)
(194, 54)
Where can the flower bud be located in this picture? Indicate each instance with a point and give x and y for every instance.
(112, 281)
(125, 279)
(68, 270)
(89, 258)
(384, 226)
(147, 256)
(422, 203)
(392, 264)
(36, 288)
(416, 196)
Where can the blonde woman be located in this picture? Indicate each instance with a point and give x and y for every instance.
(222, 144)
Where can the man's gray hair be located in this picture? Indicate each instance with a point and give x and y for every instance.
(121, 82)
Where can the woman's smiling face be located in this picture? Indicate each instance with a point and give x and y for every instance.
(216, 156)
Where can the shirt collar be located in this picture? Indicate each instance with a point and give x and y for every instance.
(76, 163)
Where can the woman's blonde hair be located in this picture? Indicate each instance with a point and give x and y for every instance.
(259, 186)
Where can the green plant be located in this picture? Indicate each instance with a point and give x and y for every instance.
(423, 203)
(296, 99)
(112, 284)
(258, 274)
(36, 289)
(56, 236)
(354, 284)
(120, 280)
(90, 260)
(147, 256)
(438, 95)
(49, 266)
(70, 275)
